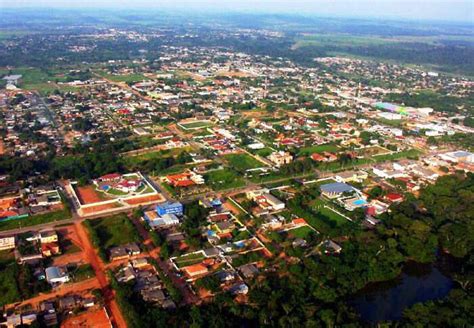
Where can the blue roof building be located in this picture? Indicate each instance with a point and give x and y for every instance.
(335, 189)
(170, 208)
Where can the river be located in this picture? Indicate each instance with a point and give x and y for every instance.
(387, 300)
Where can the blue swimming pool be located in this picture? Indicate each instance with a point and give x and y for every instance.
(359, 202)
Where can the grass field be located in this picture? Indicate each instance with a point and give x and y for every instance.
(242, 162)
(307, 151)
(224, 179)
(112, 231)
(264, 152)
(333, 216)
(189, 259)
(138, 159)
(301, 232)
(36, 219)
(8, 283)
(195, 125)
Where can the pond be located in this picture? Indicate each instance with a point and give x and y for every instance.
(387, 300)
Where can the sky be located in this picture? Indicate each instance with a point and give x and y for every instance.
(447, 10)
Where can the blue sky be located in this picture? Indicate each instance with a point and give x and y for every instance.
(452, 10)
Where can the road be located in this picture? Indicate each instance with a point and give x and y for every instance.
(92, 257)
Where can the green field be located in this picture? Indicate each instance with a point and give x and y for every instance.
(195, 125)
(307, 151)
(224, 179)
(8, 284)
(301, 232)
(242, 162)
(112, 231)
(264, 152)
(189, 259)
(36, 219)
(333, 216)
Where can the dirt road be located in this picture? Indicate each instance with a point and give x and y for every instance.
(116, 316)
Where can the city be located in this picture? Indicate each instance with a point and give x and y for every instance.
(216, 176)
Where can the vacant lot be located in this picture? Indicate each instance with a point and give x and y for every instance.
(242, 162)
(36, 219)
(112, 231)
(224, 179)
(301, 232)
(192, 125)
(89, 194)
(189, 259)
(307, 151)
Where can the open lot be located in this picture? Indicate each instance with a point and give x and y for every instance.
(58, 216)
(194, 125)
(112, 231)
(242, 162)
(224, 179)
(307, 151)
(89, 194)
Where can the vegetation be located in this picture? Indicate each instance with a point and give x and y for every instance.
(110, 232)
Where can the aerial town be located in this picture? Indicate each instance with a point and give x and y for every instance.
(202, 178)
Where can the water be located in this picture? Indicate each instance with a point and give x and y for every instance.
(387, 300)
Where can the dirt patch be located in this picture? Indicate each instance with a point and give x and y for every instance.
(98, 319)
(145, 199)
(88, 195)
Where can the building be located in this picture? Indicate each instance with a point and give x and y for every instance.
(336, 189)
(50, 249)
(7, 243)
(56, 275)
(458, 156)
(280, 158)
(12, 79)
(170, 208)
(48, 236)
(195, 270)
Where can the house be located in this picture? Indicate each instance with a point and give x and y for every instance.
(195, 270)
(68, 303)
(112, 177)
(56, 275)
(280, 158)
(153, 295)
(48, 236)
(50, 249)
(125, 274)
(12, 79)
(330, 247)
(394, 198)
(224, 227)
(248, 270)
(239, 288)
(7, 243)
(118, 253)
(351, 176)
(336, 189)
(139, 263)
